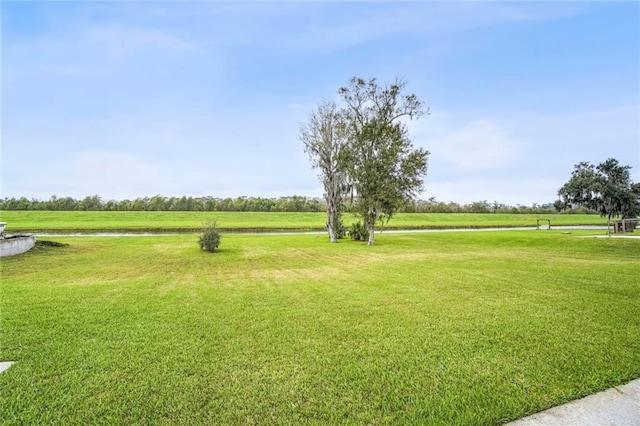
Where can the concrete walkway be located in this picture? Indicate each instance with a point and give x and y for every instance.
(619, 406)
(4, 366)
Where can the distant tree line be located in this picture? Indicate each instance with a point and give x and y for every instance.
(293, 203)
(160, 203)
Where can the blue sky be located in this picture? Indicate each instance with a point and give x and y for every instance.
(134, 99)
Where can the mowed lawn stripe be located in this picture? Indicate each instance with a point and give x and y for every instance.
(453, 328)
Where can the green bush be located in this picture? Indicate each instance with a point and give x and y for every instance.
(358, 232)
(210, 238)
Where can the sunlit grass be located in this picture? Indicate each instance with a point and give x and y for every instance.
(456, 328)
(80, 221)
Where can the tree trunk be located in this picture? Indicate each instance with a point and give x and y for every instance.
(331, 227)
(332, 212)
(370, 223)
(332, 235)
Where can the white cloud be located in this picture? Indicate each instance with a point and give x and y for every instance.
(182, 151)
(508, 191)
(115, 175)
(522, 156)
(479, 145)
(378, 20)
(465, 143)
(85, 48)
(95, 171)
(122, 40)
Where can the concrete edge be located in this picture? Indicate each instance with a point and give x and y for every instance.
(618, 406)
(5, 365)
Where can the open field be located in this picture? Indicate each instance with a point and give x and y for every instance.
(448, 328)
(60, 221)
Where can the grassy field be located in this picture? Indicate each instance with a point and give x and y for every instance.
(448, 328)
(47, 221)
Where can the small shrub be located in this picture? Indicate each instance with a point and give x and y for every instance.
(341, 232)
(210, 238)
(358, 232)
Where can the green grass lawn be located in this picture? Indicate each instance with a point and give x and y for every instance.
(448, 328)
(57, 221)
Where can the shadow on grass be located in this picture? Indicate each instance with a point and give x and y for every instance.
(46, 246)
(222, 251)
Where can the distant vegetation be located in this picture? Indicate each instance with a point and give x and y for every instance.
(293, 203)
(606, 188)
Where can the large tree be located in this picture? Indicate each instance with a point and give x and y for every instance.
(383, 167)
(324, 138)
(606, 188)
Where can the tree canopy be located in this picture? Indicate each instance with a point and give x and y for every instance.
(384, 169)
(363, 147)
(606, 188)
(324, 139)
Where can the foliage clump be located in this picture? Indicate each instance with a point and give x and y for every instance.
(340, 230)
(358, 232)
(210, 238)
(606, 188)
